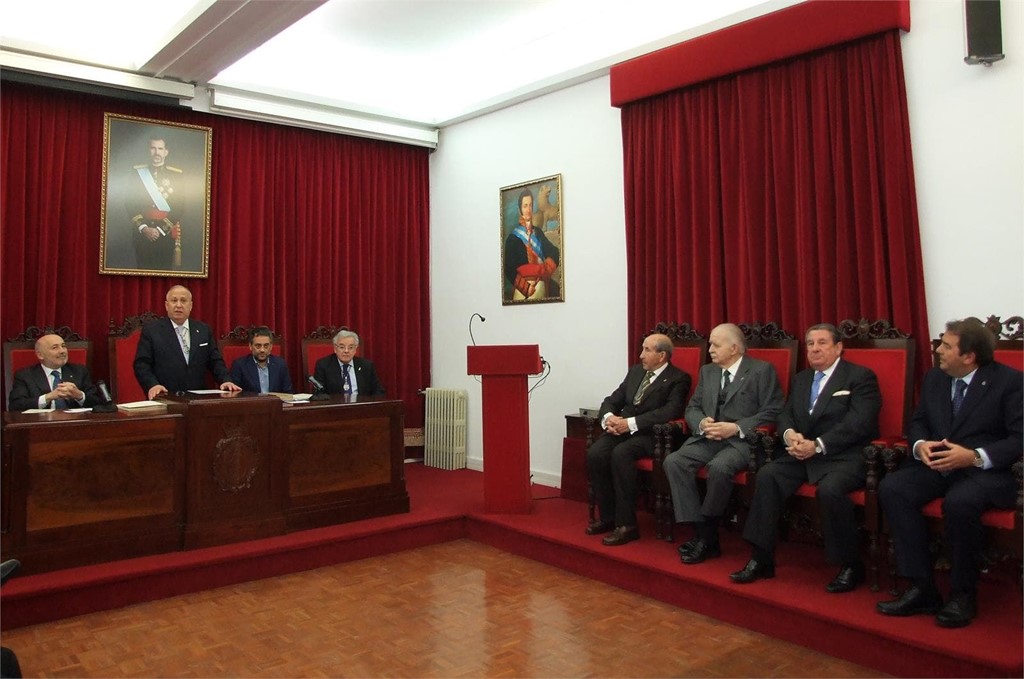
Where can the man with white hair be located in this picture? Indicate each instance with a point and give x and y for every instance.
(346, 373)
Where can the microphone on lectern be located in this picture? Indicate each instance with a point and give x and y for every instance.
(107, 405)
(319, 391)
(482, 320)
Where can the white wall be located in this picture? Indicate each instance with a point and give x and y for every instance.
(966, 127)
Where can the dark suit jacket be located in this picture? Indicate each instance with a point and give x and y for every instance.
(32, 382)
(328, 372)
(662, 401)
(754, 398)
(158, 359)
(845, 418)
(245, 374)
(990, 417)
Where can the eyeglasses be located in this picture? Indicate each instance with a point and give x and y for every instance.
(346, 347)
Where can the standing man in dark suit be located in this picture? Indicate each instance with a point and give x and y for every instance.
(735, 394)
(175, 352)
(346, 373)
(966, 433)
(831, 414)
(262, 371)
(53, 383)
(653, 392)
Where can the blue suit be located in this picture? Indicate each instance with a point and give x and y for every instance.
(245, 374)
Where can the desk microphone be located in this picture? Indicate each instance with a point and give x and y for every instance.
(482, 320)
(319, 391)
(107, 405)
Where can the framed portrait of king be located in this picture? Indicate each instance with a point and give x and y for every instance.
(155, 209)
(532, 254)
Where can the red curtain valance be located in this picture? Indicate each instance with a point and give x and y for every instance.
(795, 30)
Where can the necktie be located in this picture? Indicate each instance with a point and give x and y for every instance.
(59, 404)
(816, 387)
(726, 381)
(643, 387)
(183, 336)
(958, 396)
(346, 385)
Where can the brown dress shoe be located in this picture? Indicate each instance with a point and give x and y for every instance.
(598, 527)
(621, 535)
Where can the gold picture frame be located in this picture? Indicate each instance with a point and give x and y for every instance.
(532, 238)
(155, 207)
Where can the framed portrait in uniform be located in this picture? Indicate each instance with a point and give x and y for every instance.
(532, 252)
(155, 208)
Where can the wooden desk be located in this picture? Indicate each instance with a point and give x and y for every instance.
(203, 470)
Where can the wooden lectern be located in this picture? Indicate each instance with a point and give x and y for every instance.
(506, 423)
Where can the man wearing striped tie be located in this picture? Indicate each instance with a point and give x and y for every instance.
(53, 383)
(654, 392)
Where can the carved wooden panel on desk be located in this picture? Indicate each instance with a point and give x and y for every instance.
(345, 461)
(236, 469)
(88, 488)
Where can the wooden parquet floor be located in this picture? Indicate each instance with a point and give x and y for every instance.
(457, 609)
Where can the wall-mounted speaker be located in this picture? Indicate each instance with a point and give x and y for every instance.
(983, 32)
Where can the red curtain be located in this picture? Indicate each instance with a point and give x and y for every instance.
(306, 229)
(784, 193)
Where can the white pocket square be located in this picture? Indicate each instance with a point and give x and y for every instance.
(844, 392)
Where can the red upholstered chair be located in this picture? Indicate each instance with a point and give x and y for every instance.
(889, 352)
(122, 341)
(235, 344)
(316, 345)
(20, 351)
(1003, 527)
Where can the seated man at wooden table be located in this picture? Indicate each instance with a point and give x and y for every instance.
(966, 434)
(346, 373)
(54, 383)
(831, 414)
(261, 371)
(653, 392)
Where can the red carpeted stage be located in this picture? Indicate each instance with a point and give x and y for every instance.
(448, 505)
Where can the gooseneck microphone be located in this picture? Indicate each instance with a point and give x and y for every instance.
(107, 401)
(482, 320)
(319, 391)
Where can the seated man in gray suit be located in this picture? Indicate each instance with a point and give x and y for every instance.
(831, 414)
(261, 371)
(734, 395)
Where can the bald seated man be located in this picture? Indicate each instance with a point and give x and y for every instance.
(175, 352)
(53, 383)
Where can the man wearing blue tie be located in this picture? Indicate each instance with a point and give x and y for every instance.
(262, 371)
(344, 372)
(967, 434)
(53, 383)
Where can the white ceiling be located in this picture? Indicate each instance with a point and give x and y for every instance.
(425, 62)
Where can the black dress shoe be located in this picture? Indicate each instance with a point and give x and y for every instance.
(598, 527)
(958, 611)
(914, 601)
(753, 571)
(847, 579)
(688, 546)
(621, 536)
(700, 553)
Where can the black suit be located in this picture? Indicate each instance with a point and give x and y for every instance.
(32, 382)
(159, 359)
(328, 372)
(990, 419)
(844, 419)
(610, 458)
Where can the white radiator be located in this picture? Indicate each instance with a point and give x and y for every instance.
(444, 443)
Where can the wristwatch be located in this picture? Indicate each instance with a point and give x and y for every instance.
(978, 461)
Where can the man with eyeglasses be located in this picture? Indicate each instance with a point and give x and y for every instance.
(346, 373)
(261, 372)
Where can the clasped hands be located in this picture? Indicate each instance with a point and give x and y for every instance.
(800, 447)
(944, 455)
(718, 431)
(616, 425)
(68, 391)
